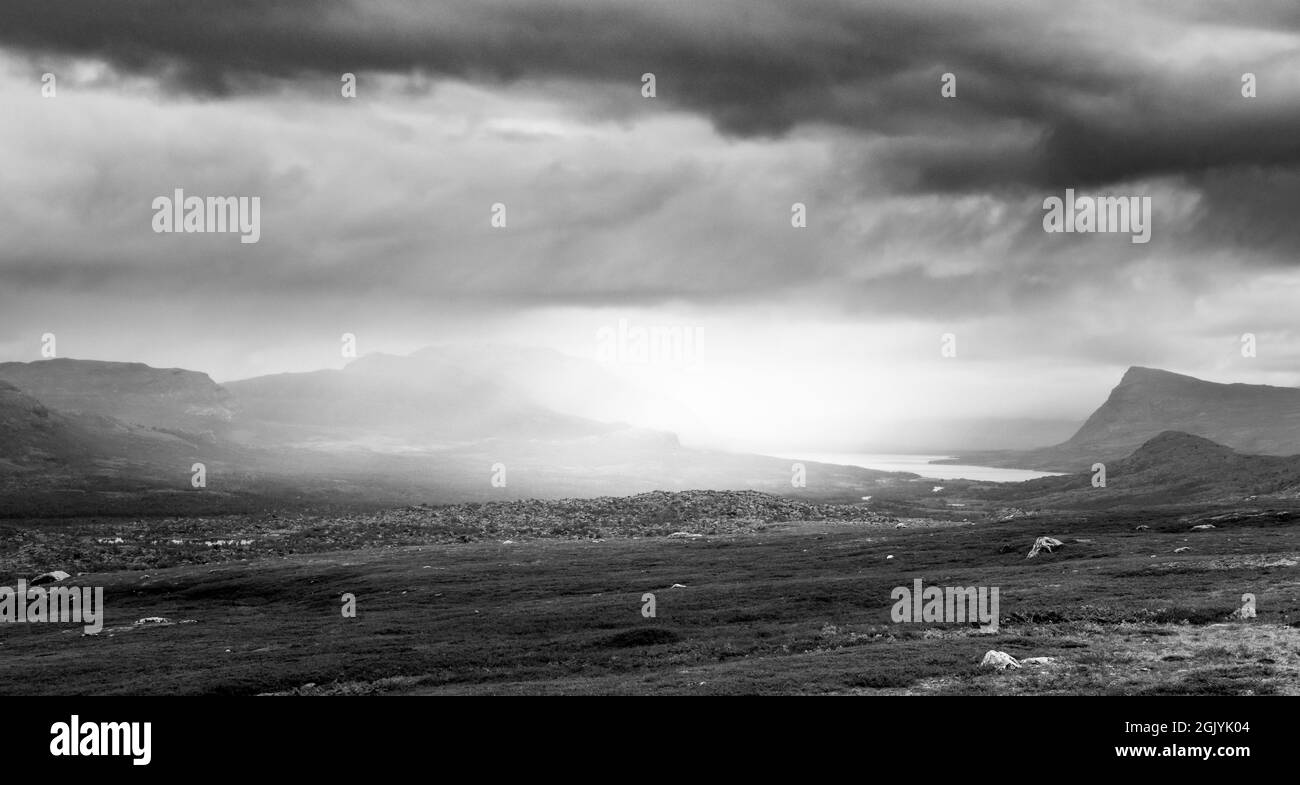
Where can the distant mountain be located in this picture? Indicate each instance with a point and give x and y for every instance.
(1172, 467)
(449, 413)
(1252, 418)
(53, 463)
(33, 435)
(37, 438)
(85, 437)
(563, 383)
(170, 399)
(382, 401)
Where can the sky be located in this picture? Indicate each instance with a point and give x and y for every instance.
(924, 212)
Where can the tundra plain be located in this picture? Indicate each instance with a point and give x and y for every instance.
(773, 596)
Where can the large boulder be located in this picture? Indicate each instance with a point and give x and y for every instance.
(53, 576)
(998, 660)
(1044, 544)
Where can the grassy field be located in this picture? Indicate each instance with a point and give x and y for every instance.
(788, 607)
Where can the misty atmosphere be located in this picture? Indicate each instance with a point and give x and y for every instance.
(617, 347)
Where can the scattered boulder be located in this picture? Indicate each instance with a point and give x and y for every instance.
(53, 576)
(1203, 526)
(1180, 550)
(1244, 612)
(1044, 544)
(999, 660)
(1038, 661)
(153, 620)
(900, 525)
(678, 586)
(1141, 528)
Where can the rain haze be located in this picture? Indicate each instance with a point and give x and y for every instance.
(923, 212)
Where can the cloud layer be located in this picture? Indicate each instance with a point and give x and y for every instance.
(924, 212)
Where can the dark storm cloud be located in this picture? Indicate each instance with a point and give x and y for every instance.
(1250, 210)
(1047, 95)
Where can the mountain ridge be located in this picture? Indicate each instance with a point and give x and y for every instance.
(1252, 418)
(380, 431)
(1172, 467)
(172, 399)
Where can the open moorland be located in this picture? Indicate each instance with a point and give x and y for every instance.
(753, 593)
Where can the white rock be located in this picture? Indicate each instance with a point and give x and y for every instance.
(999, 659)
(1044, 544)
(49, 577)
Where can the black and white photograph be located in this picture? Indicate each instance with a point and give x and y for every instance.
(864, 348)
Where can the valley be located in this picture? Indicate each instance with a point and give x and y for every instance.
(348, 491)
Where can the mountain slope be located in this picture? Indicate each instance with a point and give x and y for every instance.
(1173, 467)
(440, 426)
(32, 434)
(52, 462)
(401, 402)
(170, 399)
(1252, 418)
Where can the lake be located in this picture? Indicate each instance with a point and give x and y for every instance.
(920, 464)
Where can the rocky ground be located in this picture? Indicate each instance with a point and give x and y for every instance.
(771, 596)
(28, 547)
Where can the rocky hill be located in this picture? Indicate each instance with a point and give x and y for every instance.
(1251, 418)
(171, 399)
(1173, 467)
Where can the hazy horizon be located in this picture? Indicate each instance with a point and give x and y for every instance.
(934, 437)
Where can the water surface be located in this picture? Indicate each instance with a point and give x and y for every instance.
(920, 464)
